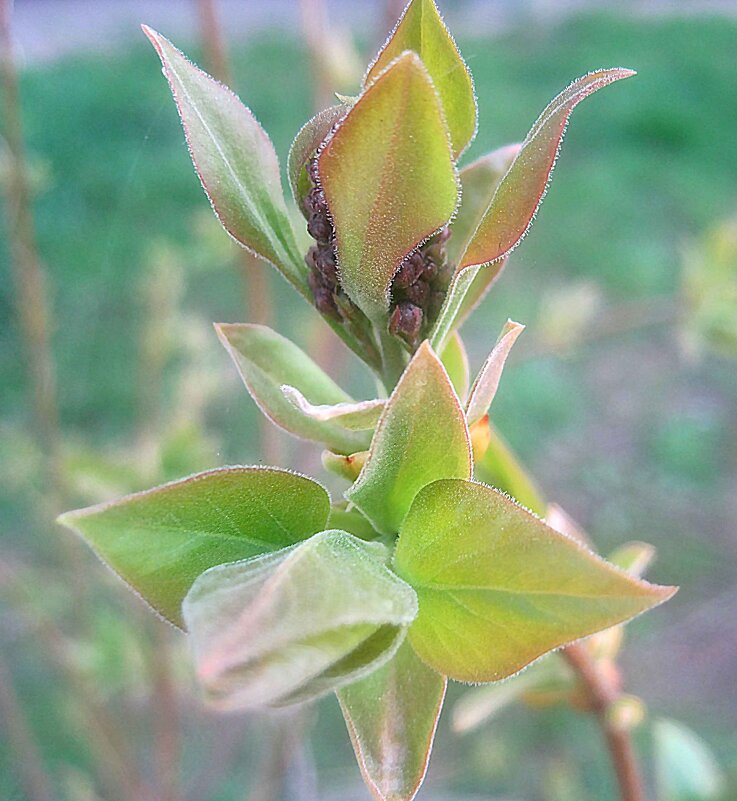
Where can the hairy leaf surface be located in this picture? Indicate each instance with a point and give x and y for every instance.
(421, 437)
(487, 381)
(235, 161)
(312, 134)
(267, 361)
(160, 540)
(513, 206)
(293, 625)
(498, 588)
(389, 180)
(422, 30)
(391, 717)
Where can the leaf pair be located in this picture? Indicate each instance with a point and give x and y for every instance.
(279, 609)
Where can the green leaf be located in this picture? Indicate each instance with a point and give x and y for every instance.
(487, 381)
(267, 361)
(389, 180)
(353, 415)
(391, 717)
(422, 30)
(312, 134)
(501, 468)
(235, 161)
(479, 181)
(686, 769)
(515, 202)
(455, 361)
(160, 540)
(498, 588)
(421, 437)
(296, 624)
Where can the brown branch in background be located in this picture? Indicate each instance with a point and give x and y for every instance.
(258, 301)
(166, 715)
(315, 30)
(30, 279)
(603, 695)
(213, 41)
(36, 782)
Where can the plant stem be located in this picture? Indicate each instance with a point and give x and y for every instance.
(603, 694)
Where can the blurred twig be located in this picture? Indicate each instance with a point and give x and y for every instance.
(603, 695)
(36, 781)
(258, 301)
(32, 299)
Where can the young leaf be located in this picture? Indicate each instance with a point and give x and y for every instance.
(498, 588)
(292, 626)
(389, 180)
(312, 134)
(391, 717)
(422, 30)
(160, 540)
(235, 161)
(421, 437)
(455, 361)
(511, 210)
(479, 181)
(267, 361)
(487, 381)
(354, 415)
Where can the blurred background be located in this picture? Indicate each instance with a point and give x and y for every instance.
(621, 396)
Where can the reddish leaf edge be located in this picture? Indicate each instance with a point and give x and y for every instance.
(355, 741)
(609, 76)
(365, 80)
(292, 270)
(424, 239)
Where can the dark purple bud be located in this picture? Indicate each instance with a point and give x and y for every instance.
(418, 292)
(326, 266)
(319, 227)
(325, 302)
(435, 304)
(406, 322)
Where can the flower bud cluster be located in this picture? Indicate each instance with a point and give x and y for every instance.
(320, 258)
(330, 298)
(419, 289)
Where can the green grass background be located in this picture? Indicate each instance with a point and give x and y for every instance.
(633, 440)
